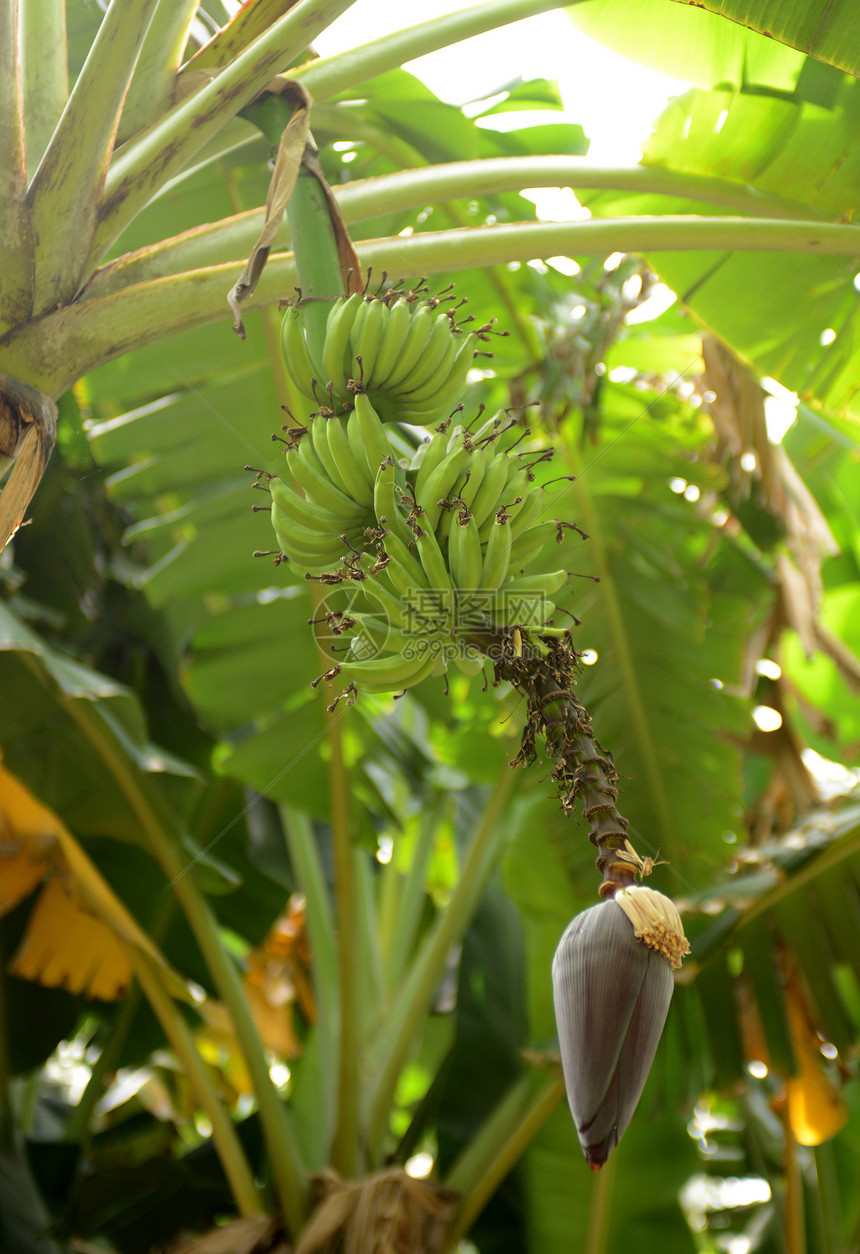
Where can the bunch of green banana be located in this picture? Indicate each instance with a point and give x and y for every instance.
(430, 556)
(324, 503)
(410, 356)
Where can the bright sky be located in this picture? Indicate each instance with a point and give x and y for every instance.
(614, 100)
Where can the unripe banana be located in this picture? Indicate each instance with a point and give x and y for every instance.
(533, 509)
(319, 489)
(489, 429)
(532, 543)
(354, 478)
(497, 557)
(355, 334)
(420, 326)
(434, 451)
(537, 585)
(288, 503)
(294, 349)
(319, 436)
(449, 393)
(435, 566)
(491, 491)
(402, 554)
(393, 338)
(366, 341)
(471, 663)
(389, 674)
(355, 438)
(448, 515)
(385, 503)
(376, 630)
(479, 461)
(336, 356)
(439, 485)
(376, 442)
(372, 596)
(464, 553)
(434, 365)
(313, 548)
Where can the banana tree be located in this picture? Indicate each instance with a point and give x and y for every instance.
(114, 301)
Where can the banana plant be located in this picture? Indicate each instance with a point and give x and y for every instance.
(104, 152)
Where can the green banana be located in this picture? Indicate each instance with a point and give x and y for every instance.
(434, 450)
(336, 357)
(319, 436)
(448, 516)
(311, 547)
(537, 585)
(470, 664)
(439, 485)
(354, 481)
(434, 365)
(376, 442)
(406, 613)
(304, 512)
(456, 437)
(319, 489)
(402, 555)
(393, 337)
(359, 450)
(490, 493)
(531, 543)
(388, 639)
(490, 428)
(479, 461)
(389, 674)
(378, 631)
(366, 340)
(533, 508)
(430, 556)
(448, 394)
(385, 493)
(294, 349)
(356, 331)
(497, 557)
(420, 326)
(464, 553)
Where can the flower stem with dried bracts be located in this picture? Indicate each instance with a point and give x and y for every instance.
(544, 672)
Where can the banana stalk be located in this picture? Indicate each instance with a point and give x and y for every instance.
(16, 272)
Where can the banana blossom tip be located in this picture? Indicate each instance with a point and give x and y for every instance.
(612, 985)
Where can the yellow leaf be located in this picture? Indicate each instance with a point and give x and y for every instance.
(33, 840)
(816, 1109)
(20, 871)
(67, 947)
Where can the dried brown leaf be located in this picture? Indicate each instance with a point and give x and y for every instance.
(28, 429)
(292, 145)
(242, 1236)
(385, 1213)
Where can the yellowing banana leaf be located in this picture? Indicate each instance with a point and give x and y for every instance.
(77, 934)
(816, 1106)
(67, 947)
